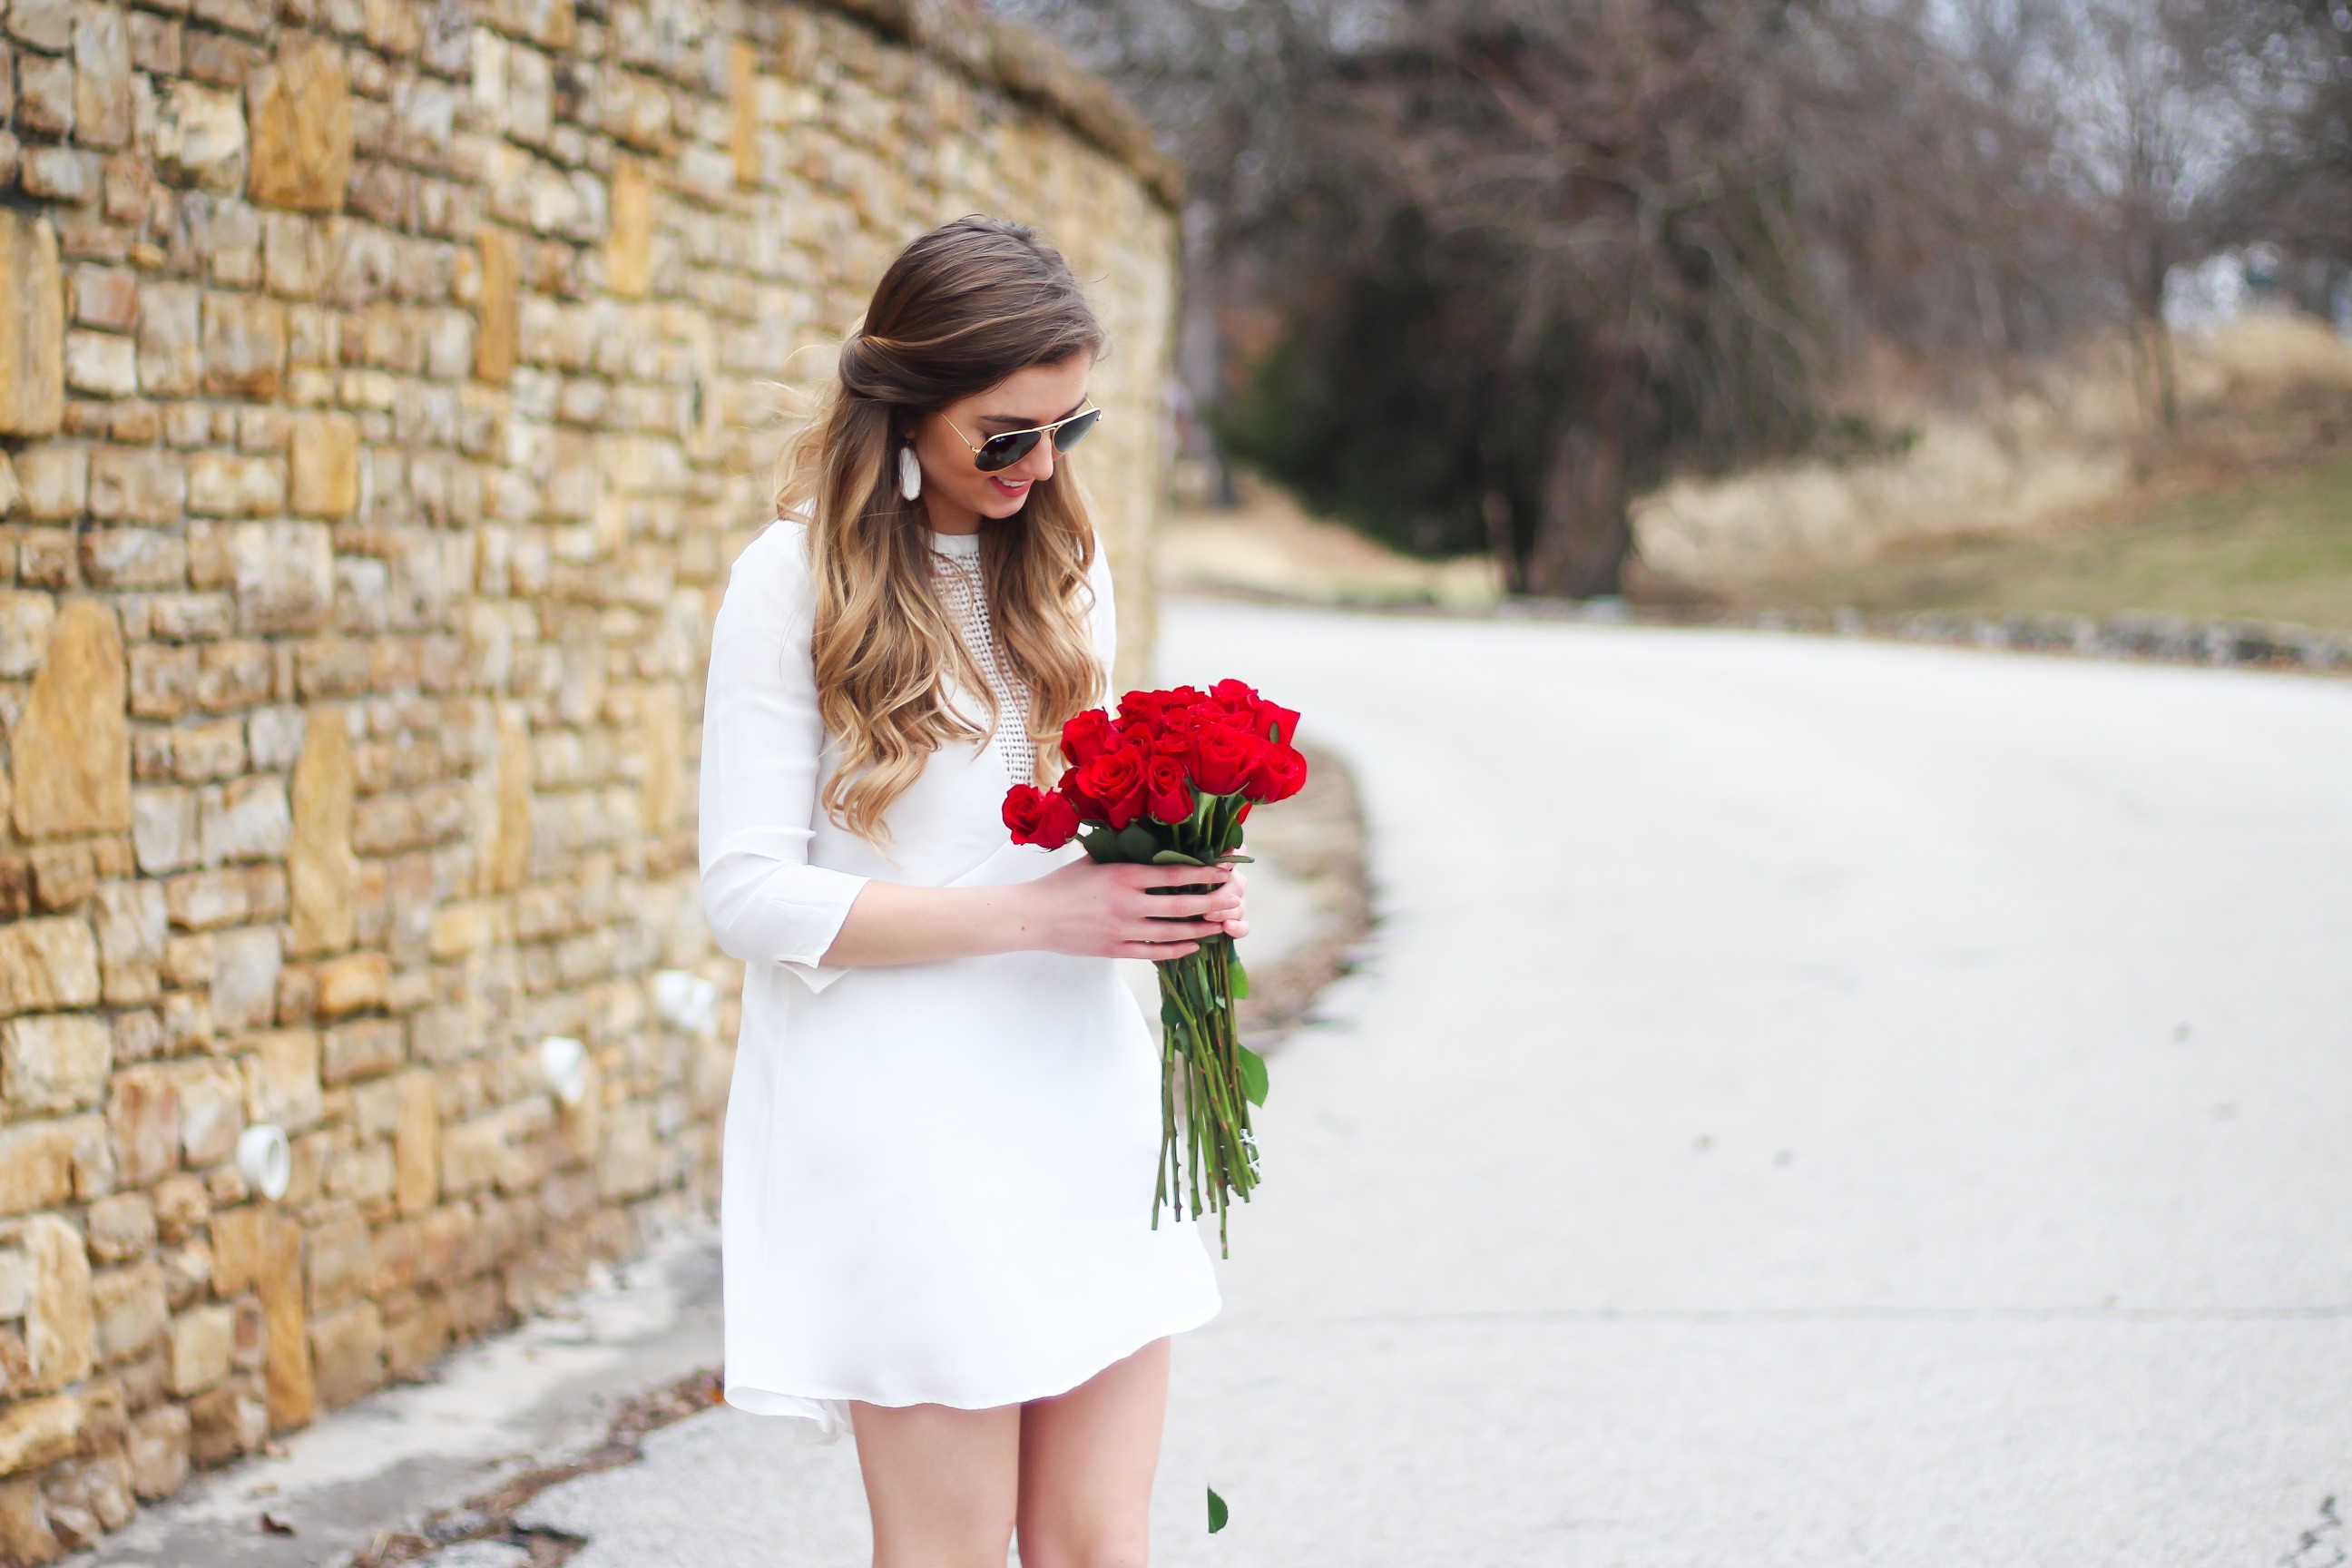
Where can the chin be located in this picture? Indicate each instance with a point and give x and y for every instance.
(996, 503)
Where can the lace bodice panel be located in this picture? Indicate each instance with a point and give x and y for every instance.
(956, 574)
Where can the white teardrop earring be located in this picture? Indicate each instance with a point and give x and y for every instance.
(911, 473)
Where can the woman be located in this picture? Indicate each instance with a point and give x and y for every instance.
(941, 1138)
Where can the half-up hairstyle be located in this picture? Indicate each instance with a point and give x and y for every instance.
(961, 309)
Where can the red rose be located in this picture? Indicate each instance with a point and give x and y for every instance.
(1238, 696)
(1115, 782)
(1035, 817)
(1276, 722)
(1279, 773)
(1222, 759)
(1167, 794)
(1087, 736)
(1172, 742)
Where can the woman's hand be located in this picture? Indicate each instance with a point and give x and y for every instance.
(1104, 910)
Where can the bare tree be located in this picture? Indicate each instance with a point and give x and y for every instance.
(1530, 254)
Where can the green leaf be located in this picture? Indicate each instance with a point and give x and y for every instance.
(1254, 1080)
(1237, 974)
(1171, 1012)
(1175, 858)
(1136, 843)
(1218, 1514)
(1236, 860)
(1100, 843)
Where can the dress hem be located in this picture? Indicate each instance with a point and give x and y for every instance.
(828, 1412)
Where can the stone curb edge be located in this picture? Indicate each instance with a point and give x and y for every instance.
(2147, 638)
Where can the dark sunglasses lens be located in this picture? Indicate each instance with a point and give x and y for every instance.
(1075, 431)
(1001, 452)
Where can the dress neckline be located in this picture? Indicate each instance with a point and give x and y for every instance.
(956, 544)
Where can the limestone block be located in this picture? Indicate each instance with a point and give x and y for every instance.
(132, 557)
(130, 921)
(142, 1118)
(338, 1256)
(101, 364)
(285, 575)
(36, 1167)
(416, 1144)
(365, 1048)
(122, 1227)
(471, 1152)
(244, 819)
(202, 1342)
(101, 55)
(163, 829)
(35, 1432)
(32, 326)
(63, 874)
(506, 852)
(137, 484)
(71, 748)
(200, 137)
(25, 622)
(157, 1451)
(354, 983)
(661, 758)
(743, 109)
(321, 872)
(25, 1533)
(325, 465)
(53, 482)
(129, 1308)
(231, 484)
(245, 345)
(281, 1080)
(43, 100)
(45, 964)
(46, 24)
(497, 305)
(244, 978)
(301, 110)
(54, 1062)
(629, 249)
(15, 1282)
(171, 340)
(347, 1350)
(226, 1421)
(277, 1278)
(60, 1332)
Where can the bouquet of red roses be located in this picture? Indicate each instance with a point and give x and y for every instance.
(1168, 781)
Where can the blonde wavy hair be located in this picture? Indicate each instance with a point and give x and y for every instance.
(959, 311)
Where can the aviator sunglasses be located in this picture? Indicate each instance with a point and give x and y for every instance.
(999, 453)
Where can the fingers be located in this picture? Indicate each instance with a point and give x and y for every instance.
(1135, 876)
(1184, 906)
(1155, 950)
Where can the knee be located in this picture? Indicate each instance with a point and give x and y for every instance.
(950, 1538)
(1102, 1546)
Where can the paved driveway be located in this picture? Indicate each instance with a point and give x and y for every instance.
(1813, 1103)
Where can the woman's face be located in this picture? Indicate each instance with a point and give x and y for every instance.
(957, 492)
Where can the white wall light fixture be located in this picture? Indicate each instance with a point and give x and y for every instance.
(264, 1160)
(563, 1062)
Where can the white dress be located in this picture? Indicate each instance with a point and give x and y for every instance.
(937, 1186)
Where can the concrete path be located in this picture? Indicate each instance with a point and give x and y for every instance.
(1813, 1104)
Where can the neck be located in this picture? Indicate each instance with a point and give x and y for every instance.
(946, 517)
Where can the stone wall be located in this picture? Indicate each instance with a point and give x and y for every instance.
(384, 387)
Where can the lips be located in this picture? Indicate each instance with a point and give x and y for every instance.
(1010, 491)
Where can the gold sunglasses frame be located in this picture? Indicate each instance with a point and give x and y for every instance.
(1045, 432)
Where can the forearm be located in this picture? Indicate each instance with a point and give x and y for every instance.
(891, 923)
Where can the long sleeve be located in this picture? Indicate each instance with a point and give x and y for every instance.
(761, 750)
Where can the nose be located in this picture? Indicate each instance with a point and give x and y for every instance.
(1037, 464)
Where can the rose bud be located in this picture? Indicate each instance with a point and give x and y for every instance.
(1167, 794)
(1087, 737)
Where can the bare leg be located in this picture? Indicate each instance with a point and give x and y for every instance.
(1086, 1463)
(943, 1484)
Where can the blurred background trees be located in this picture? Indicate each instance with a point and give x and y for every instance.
(1472, 274)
